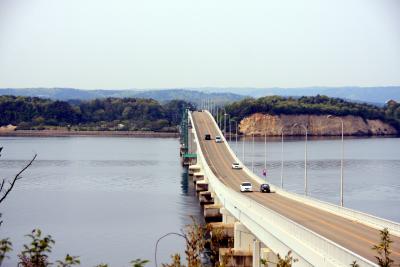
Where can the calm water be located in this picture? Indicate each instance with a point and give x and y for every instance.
(109, 199)
(371, 170)
(105, 199)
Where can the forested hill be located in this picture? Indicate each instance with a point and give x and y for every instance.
(99, 114)
(164, 95)
(148, 114)
(314, 105)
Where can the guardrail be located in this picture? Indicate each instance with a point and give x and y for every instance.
(354, 215)
(278, 232)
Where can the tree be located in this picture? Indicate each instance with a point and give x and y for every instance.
(4, 190)
(383, 249)
(287, 261)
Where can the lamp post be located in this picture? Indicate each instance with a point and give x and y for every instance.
(244, 137)
(236, 135)
(282, 156)
(305, 157)
(252, 156)
(230, 129)
(229, 124)
(265, 151)
(225, 114)
(341, 161)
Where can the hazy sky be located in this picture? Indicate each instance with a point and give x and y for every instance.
(185, 43)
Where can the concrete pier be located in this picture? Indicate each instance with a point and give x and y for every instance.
(211, 213)
(234, 258)
(194, 168)
(227, 229)
(205, 198)
(227, 217)
(197, 176)
(201, 185)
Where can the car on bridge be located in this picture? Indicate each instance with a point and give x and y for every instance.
(246, 187)
(264, 188)
(207, 137)
(237, 166)
(218, 139)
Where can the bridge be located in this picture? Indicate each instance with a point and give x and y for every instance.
(317, 233)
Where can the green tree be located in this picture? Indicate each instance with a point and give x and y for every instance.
(383, 249)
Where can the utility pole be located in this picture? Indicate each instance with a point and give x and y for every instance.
(252, 156)
(341, 160)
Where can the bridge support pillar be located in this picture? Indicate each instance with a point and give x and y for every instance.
(215, 197)
(256, 253)
(227, 217)
(243, 238)
(201, 186)
(268, 255)
(205, 198)
(211, 213)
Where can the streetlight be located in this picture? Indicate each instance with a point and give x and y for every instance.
(252, 156)
(236, 135)
(265, 151)
(225, 114)
(341, 161)
(305, 157)
(230, 129)
(244, 137)
(282, 156)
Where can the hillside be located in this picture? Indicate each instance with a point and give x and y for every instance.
(65, 94)
(100, 114)
(317, 125)
(375, 95)
(313, 111)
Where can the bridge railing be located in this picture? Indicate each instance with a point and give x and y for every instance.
(278, 232)
(361, 217)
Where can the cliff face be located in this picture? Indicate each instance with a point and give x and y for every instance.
(318, 125)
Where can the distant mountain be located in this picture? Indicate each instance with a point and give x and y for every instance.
(192, 96)
(374, 95)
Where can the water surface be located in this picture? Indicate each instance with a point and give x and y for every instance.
(371, 170)
(105, 199)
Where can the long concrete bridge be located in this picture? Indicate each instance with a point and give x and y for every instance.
(317, 233)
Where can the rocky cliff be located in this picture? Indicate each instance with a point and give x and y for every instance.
(317, 125)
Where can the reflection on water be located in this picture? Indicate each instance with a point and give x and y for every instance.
(371, 170)
(105, 199)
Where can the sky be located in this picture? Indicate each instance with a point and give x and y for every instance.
(92, 44)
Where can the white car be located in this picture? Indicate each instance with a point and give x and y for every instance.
(246, 187)
(236, 165)
(218, 139)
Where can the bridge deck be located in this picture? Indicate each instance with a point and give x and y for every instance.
(354, 236)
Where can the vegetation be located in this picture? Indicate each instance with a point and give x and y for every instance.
(149, 115)
(287, 261)
(315, 105)
(383, 249)
(99, 114)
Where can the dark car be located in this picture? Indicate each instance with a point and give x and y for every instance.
(207, 137)
(264, 188)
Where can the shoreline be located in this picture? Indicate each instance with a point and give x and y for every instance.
(65, 133)
(151, 134)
